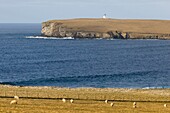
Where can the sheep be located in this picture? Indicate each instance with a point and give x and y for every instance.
(106, 101)
(165, 105)
(16, 97)
(111, 104)
(13, 102)
(134, 105)
(71, 101)
(64, 100)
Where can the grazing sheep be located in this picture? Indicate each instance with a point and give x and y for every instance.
(165, 105)
(134, 105)
(64, 100)
(13, 102)
(16, 97)
(106, 101)
(71, 101)
(111, 104)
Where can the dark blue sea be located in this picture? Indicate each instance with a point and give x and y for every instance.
(27, 59)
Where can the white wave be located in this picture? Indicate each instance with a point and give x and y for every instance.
(99, 38)
(113, 39)
(154, 87)
(42, 37)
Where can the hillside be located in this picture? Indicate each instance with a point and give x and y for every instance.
(107, 28)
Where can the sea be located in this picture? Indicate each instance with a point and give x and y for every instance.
(28, 59)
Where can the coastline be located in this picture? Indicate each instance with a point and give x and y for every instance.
(107, 28)
(73, 38)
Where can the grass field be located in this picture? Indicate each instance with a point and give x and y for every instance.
(79, 106)
(86, 100)
(122, 25)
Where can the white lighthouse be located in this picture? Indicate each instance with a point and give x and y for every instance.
(104, 16)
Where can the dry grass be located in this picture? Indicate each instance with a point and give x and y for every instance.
(86, 100)
(105, 25)
(79, 106)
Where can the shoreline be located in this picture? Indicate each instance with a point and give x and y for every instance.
(142, 88)
(74, 38)
(124, 90)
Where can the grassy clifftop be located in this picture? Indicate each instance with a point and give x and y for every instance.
(104, 25)
(135, 28)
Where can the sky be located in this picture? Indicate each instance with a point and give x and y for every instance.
(37, 11)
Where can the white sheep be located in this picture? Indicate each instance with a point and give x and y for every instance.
(111, 104)
(16, 97)
(106, 101)
(13, 102)
(134, 105)
(71, 101)
(165, 105)
(64, 100)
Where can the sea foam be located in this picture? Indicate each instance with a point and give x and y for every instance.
(42, 37)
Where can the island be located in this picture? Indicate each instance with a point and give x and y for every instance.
(107, 28)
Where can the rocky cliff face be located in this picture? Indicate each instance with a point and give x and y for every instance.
(60, 29)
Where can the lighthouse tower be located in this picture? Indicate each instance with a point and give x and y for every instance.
(104, 16)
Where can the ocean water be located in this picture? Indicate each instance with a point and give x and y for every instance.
(27, 59)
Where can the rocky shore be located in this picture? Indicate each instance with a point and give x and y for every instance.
(107, 28)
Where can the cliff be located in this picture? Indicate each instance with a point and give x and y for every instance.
(107, 28)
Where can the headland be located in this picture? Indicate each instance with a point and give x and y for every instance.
(107, 28)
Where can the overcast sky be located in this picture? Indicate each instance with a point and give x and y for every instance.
(37, 11)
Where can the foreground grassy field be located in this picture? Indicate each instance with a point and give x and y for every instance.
(79, 106)
(86, 100)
